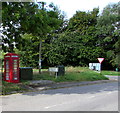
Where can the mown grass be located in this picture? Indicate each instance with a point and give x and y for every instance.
(113, 73)
(71, 74)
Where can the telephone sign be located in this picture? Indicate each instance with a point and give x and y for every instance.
(11, 66)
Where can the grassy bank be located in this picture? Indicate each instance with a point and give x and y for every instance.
(71, 74)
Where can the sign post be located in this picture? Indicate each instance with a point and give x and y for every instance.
(100, 61)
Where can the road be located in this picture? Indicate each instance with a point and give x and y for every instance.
(113, 77)
(97, 97)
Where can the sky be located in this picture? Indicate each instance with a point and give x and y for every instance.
(71, 6)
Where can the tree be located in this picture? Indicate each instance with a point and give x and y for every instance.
(27, 27)
(108, 32)
(77, 44)
(16, 19)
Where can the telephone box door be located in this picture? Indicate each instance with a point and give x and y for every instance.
(7, 70)
(15, 69)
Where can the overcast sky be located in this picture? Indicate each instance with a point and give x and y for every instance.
(71, 6)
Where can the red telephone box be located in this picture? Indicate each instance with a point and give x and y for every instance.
(11, 68)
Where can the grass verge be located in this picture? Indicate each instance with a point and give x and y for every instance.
(113, 73)
(8, 88)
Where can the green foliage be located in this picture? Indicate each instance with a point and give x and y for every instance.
(76, 45)
(107, 32)
(78, 41)
(28, 57)
(16, 19)
(26, 26)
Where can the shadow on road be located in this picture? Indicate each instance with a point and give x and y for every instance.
(86, 89)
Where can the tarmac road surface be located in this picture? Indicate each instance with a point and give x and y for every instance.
(97, 97)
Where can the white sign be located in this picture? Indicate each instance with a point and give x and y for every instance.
(14, 56)
(94, 66)
(53, 69)
(100, 59)
(7, 56)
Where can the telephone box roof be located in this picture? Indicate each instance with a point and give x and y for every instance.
(10, 54)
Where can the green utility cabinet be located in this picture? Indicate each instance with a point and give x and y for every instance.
(61, 70)
(26, 73)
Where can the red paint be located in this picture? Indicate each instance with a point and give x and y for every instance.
(100, 60)
(11, 68)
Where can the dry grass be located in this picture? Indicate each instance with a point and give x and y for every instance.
(76, 69)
